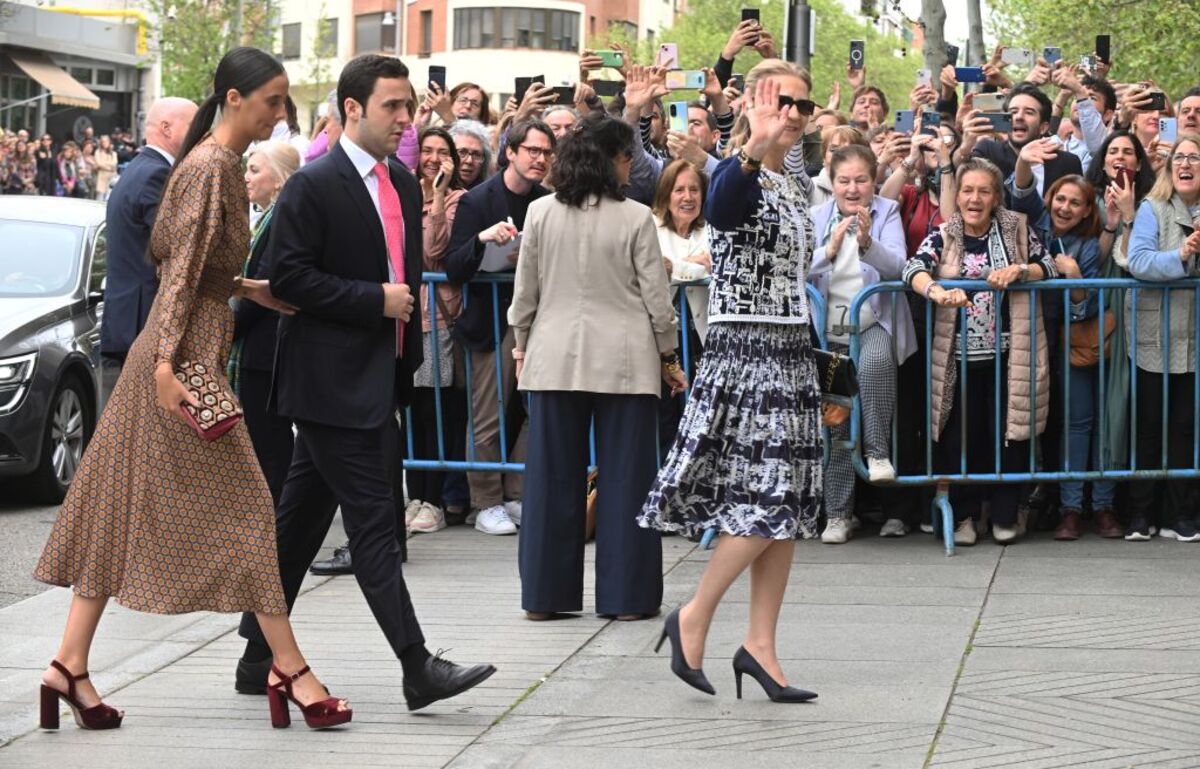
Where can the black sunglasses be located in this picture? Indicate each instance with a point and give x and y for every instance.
(803, 106)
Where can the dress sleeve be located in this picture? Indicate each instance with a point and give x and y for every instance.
(926, 259)
(192, 224)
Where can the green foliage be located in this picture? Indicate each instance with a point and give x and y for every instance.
(702, 32)
(201, 32)
(1151, 40)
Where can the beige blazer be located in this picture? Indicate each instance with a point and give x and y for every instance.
(591, 306)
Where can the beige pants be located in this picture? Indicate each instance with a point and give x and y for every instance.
(490, 489)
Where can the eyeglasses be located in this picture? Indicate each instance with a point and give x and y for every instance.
(467, 101)
(1189, 159)
(803, 106)
(470, 154)
(538, 152)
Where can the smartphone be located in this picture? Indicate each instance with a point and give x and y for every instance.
(677, 112)
(751, 14)
(668, 56)
(1001, 121)
(924, 78)
(437, 180)
(858, 54)
(564, 95)
(522, 85)
(615, 59)
(969, 75)
(930, 122)
(905, 121)
(1104, 48)
(1124, 177)
(1168, 130)
(1052, 54)
(679, 79)
(1088, 63)
(437, 74)
(952, 55)
(738, 81)
(607, 88)
(1158, 101)
(1021, 57)
(989, 102)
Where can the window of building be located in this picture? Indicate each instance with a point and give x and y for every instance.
(16, 88)
(82, 74)
(426, 31)
(291, 41)
(327, 44)
(371, 34)
(517, 28)
(106, 77)
(626, 28)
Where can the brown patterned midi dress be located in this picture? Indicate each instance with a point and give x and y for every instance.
(156, 517)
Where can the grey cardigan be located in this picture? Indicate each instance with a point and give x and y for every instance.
(1158, 233)
(591, 306)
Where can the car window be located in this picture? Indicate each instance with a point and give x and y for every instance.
(99, 261)
(38, 259)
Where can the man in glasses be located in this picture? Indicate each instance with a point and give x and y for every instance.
(494, 212)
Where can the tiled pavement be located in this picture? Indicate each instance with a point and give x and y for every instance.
(1039, 655)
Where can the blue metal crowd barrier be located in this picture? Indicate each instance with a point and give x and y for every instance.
(1133, 470)
(494, 280)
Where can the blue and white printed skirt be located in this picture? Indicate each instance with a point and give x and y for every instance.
(747, 459)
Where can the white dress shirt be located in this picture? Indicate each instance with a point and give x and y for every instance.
(170, 158)
(365, 164)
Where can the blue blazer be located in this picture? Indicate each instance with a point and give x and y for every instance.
(132, 280)
(479, 209)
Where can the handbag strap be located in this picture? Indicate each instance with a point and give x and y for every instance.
(441, 305)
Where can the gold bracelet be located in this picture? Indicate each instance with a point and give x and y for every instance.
(672, 368)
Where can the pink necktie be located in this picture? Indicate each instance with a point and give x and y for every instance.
(393, 230)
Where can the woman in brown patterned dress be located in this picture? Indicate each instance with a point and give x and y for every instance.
(156, 517)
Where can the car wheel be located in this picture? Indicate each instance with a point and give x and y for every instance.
(68, 429)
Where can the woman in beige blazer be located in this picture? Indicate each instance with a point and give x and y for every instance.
(595, 334)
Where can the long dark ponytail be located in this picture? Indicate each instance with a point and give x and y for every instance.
(244, 70)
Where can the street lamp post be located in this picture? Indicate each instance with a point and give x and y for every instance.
(798, 33)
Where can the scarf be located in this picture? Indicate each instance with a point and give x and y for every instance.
(233, 371)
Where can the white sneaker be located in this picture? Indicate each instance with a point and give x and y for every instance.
(411, 510)
(893, 527)
(964, 532)
(926, 527)
(880, 469)
(513, 508)
(837, 531)
(495, 521)
(427, 520)
(1006, 534)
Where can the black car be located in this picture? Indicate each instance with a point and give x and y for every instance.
(52, 260)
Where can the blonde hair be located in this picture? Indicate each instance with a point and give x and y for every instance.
(282, 159)
(764, 69)
(844, 133)
(1164, 186)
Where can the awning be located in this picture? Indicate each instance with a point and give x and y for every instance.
(63, 88)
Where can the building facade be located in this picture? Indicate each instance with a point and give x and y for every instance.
(488, 42)
(64, 69)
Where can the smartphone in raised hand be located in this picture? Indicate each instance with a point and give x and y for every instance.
(668, 56)
(969, 75)
(680, 79)
(677, 113)
(437, 74)
(1052, 54)
(1021, 57)
(1104, 48)
(521, 85)
(614, 59)
(752, 14)
(1168, 130)
(858, 54)
(905, 121)
(924, 78)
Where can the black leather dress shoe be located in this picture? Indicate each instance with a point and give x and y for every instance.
(440, 679)
(252, 676)
(338, 564)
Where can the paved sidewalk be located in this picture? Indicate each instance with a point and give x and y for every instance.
(1039, 655)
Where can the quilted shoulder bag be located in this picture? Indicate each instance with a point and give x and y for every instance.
(219, 410)
(836, 375)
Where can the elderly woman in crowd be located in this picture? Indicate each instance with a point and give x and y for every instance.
(474, 151)
(832, 138)
(595, 332)
(859, 242)
(1163, 246)
(253, 352)
(985, 240)
(429, 509)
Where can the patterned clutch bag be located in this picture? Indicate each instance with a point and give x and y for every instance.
(219, 410)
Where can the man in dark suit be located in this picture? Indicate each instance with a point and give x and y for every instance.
(494, 212)
(131, 281)
(346, 251)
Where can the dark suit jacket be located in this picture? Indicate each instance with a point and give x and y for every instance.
(479, 209)
(335, 362)
(1005, 157)
(254, 325)
(132, 281)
